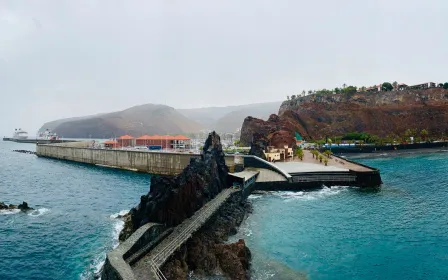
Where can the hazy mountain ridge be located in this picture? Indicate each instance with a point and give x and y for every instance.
(137, 120)
(230, 118)
(159, 119)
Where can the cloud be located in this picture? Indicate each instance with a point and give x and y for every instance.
(70, 58)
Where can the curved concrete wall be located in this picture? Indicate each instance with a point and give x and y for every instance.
(254, 161)
(116, 267)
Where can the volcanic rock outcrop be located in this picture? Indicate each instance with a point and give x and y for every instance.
(24, 206)
(382, 114)
(173, 199)
(205, 253)
(277, 132)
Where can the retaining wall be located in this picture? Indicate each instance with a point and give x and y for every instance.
(162, 163)
(116, 267)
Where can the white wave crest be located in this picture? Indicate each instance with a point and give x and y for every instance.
(9, 211)
(254, 196)
(119, 214)
(38, 212)
(311, 195)
(94, 269)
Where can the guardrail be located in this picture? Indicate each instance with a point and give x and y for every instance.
(324, 178)
(162, 254)
(254, 161)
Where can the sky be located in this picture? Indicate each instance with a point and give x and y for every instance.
(63, 59)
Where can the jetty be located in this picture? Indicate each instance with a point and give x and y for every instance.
(292, 174)
(143, 254)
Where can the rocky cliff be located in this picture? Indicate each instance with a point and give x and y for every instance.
(382, 114)
(173, 199)
(273, 132)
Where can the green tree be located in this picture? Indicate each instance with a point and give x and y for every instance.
(299, 153)
(424, 133)
(337, 90)
(445, 85)
(326, 161)
(293, 97)
(350, 90)
(287, 97)
(321, 158)
(386, 86)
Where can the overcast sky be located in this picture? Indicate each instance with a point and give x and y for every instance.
(71, 58)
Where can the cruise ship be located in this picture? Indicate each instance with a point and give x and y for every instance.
(20, 134)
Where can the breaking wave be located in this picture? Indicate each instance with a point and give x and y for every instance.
(311, 195)
(38, 212)
(94, 270)
(9, 211)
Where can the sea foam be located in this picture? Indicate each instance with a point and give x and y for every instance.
(97, 264)
(9, 211)
(38, 212)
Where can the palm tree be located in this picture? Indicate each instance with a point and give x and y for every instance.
(321, 158)
(326, 161)
(424, 133)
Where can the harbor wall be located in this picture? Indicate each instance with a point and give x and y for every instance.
(162, 163)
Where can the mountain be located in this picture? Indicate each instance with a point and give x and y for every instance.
(136, 121)
(229, 118)
(383, 114)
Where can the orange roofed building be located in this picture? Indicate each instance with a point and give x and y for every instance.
(164, 141)
(126, 141)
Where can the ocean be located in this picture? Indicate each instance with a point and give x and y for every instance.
(396, 232)
(74, 223)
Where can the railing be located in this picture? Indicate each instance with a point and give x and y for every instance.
(325, 178)
(180, 235)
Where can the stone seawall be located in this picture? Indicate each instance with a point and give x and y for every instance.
(161, 163)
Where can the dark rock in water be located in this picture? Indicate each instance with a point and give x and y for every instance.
(24, 206)
(173, 199)
(25, 152)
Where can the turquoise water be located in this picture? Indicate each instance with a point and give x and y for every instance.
(72, 228)
(399, 232)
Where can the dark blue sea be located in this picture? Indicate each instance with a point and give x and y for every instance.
(398, 232)
(73, 225)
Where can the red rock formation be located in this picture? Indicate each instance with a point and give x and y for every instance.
(277, 131)
(382, 114)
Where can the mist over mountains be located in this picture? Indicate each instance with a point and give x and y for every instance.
(159, 119)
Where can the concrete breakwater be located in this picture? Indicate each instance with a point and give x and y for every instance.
(162, 163)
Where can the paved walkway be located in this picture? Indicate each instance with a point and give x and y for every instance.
(145, 268)
(332, 162)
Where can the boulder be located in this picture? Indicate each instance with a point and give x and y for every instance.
(23, 207)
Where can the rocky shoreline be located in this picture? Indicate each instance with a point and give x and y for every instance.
(171, 200)
(207, 254)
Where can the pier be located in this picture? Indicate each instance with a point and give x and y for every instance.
(293, 174)
(143, 254)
